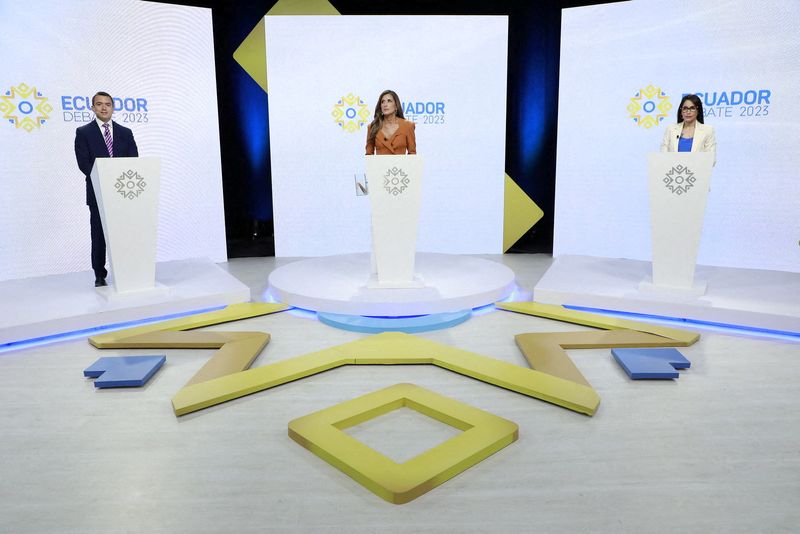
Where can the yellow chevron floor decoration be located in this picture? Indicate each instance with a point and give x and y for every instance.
(681, 338)
(237, 350)
(389, 348)
(545, 351)
(483, 434)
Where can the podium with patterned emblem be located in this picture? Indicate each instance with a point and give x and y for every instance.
(127, 192)
(679, 185)
(395, 192)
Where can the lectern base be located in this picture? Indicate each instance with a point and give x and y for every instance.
(373, 283)
(112, 295)
(698, 289)
(335, 284)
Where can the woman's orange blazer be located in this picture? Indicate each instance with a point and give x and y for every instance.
(403, 141)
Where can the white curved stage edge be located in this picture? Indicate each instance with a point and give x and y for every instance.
(338, 284)
(745, 298)
(33, 308)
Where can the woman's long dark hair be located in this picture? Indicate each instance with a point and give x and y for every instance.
(694, 99)
(377, 122)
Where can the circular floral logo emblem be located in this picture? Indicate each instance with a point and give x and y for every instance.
(25, 107)
(130, 184)
(679, 179)
(350, 113)
(395, 181)
(649, 107)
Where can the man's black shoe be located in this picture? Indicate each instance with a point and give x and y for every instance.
(100, 282)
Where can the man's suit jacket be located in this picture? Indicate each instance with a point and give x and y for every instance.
(402, 141)
(704, 140)
(89, 145)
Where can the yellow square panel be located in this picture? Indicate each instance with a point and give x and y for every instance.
(323, 434)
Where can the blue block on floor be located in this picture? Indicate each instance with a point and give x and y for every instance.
(124, 371)
(650, 363)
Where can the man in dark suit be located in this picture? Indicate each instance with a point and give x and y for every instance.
(101, 138)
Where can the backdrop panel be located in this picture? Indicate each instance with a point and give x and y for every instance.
(157, 60)
(624, 69)
(325, 75)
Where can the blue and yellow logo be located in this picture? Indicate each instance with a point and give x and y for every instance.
(350, 113)
(649, 107)
(25, 107)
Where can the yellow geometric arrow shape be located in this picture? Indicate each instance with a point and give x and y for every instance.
(683, 338)
(545, 351)
(520, 213)
(232, 312)
(390, 348)
(303, 7)
(252, 53)
(482, 435)
(237, 350)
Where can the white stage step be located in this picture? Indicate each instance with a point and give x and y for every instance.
(33, 308)
(750, 298)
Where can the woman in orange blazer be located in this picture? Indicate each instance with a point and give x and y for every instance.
(389, 133)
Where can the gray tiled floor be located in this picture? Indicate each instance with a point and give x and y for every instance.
(716, 451)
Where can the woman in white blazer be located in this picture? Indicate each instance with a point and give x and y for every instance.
(690, 134)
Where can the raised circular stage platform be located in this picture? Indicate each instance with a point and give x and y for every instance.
(338, 284)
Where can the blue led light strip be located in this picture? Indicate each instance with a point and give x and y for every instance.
(725, 327)
(75, 334)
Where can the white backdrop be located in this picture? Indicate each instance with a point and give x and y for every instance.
(743, 56)
(158, 60)
(450, 70)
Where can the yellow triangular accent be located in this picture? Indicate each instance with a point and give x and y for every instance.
(252, 53)
(520, 213)
(303, 7)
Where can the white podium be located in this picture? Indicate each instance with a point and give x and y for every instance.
(679, 184)
(395, 192)
(127, 192)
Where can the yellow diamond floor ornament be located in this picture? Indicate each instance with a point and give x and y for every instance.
(322, 433)
(389, 348)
